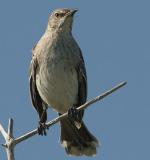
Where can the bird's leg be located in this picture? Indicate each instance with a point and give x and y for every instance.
(42, 126)
(75, 116)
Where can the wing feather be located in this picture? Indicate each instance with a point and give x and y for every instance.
(37, 101)
(82, 82)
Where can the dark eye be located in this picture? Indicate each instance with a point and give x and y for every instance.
(59, 15)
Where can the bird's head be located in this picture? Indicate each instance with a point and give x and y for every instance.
(61, 19)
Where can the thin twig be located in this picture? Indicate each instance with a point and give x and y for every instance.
(3, 132)
(54, 121)
(10, 142)
(10, 128)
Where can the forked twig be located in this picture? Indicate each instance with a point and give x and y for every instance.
(10, 142)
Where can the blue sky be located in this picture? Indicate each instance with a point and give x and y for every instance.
(115, 40)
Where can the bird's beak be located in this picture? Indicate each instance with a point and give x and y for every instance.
(73, 11)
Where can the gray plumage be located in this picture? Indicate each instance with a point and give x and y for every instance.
(58, 79)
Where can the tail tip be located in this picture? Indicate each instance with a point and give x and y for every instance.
(73, 150)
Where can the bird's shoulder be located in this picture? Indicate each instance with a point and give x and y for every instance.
(41, 45)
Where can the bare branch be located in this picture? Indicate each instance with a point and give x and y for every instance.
(25, 136)
(9, 146)
(4, 133)
(10, 128)
(10, 142)
(54, 121)
(10, 153)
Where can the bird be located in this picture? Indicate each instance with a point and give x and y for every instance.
(58, 80)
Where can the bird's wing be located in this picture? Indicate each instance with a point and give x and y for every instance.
(82, 82)
(37, 101)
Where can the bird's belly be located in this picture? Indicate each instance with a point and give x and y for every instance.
(58, 87)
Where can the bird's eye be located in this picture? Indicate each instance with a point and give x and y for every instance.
(59, 15)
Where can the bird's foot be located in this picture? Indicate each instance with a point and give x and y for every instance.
(42, 129)
(75, 117)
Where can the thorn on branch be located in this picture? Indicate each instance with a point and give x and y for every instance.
(4, 145)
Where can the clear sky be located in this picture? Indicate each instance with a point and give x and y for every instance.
(115, 40)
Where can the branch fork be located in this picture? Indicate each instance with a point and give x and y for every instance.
(11, 142)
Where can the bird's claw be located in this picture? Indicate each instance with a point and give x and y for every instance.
(42, 129)
(74, 116)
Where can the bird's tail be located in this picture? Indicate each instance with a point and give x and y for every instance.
(76, 141)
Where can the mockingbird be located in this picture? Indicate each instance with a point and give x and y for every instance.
(58, 79)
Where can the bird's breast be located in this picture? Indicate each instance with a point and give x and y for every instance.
(57, 83)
